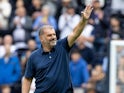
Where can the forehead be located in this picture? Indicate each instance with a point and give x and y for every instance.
(49, 31)
(8, 38)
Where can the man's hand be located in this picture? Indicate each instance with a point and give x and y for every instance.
(87, 12)
(79, 28)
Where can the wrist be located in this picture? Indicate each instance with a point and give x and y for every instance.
(84, 20)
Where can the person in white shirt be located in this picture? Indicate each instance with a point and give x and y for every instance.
(68, 21)
(5, 11)
(7, 40)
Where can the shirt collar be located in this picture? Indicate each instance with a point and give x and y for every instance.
(43, 52)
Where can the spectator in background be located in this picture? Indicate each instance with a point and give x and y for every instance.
(9, 70)
(35, 9)
(120, 61)
(7, 40)
(115, 32)
(15, 4)
(53, 6)
(86, 52)
(67, 21)
(19, 3)
(120, 79)
(98, 76)
(78, 70)
(62, 6)
(120, 76)
(87, 36)
(44, 19)
(32, 45)
(100, 22)
(24, 57)
(90, 87)
(21, 26)
(5, 11)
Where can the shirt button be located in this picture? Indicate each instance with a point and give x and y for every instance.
(50, 57)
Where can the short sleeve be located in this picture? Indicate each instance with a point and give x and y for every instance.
(29, 72)
(64, 43)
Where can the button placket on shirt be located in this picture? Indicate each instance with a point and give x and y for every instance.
(50, 55)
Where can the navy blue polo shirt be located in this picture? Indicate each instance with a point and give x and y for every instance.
(51, 69)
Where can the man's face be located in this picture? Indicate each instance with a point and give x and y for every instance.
(48, 37)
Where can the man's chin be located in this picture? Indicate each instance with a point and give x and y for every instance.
(53, 44)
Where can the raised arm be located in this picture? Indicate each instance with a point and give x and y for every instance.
(79, 28)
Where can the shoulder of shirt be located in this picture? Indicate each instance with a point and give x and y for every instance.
(60, 40)
(34, 53)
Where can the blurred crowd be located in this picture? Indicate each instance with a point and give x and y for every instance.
(20, 21)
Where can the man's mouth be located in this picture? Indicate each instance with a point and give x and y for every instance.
(53, 40)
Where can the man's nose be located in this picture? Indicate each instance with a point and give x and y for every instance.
(53, 36)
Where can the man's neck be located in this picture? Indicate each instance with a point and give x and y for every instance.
(46, 48)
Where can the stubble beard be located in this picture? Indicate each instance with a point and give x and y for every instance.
(53, 43)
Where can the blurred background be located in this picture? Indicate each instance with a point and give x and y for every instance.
(89, 57)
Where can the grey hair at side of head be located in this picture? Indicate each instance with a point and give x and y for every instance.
(41, 30)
